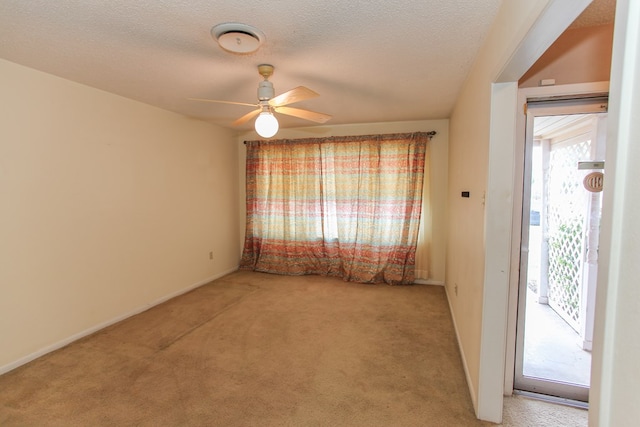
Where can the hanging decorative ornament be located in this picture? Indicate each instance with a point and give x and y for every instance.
(593, 182)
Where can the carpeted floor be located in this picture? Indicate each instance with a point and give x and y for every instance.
(520, 411)
(254, 349)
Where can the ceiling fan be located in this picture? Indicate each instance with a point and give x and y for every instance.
(266, 124)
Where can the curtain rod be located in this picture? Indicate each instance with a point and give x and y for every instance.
(430, 134)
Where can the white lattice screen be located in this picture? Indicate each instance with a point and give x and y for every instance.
(565, 226)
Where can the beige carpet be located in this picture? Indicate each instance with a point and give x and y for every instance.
(521, 411)
(255, 349)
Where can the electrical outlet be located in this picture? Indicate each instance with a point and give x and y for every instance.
(211, 255)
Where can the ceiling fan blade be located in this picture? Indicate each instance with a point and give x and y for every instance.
(294, 95)
(246, 117)
(303, 114)
(222, 102)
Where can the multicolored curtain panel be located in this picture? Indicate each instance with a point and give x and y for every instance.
(341, 206)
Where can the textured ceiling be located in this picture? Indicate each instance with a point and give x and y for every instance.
(374, 60)
(599, 12)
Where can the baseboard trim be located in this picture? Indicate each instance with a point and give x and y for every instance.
(58, 345)
(428, 282)
(474, 398)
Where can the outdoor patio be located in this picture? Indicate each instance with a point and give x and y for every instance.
(552, 348)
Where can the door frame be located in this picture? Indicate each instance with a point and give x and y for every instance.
(524, 95)
(581, 105)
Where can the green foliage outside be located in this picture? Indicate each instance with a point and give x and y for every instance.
(564, 265)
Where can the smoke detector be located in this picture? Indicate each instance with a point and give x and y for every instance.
(238, 38)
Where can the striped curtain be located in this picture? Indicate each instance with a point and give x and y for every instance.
(341, 206)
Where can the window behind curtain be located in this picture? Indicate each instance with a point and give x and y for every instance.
(343, 206)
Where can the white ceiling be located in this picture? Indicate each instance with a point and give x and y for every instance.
(371, 61)
(552, 126)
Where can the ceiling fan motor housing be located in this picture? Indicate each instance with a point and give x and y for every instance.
(265, 90)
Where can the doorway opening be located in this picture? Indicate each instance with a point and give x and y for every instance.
(564, 158)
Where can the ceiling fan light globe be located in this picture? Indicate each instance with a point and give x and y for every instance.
(266, 125)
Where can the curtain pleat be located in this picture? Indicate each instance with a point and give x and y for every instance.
(423, 247)
(346, 206)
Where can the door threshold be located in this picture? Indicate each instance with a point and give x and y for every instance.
(552, 399)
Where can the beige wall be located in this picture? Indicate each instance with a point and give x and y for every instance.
(431, 266)
(578, 56)
(469, 247)
(107, 205)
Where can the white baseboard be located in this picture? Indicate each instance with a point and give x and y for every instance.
(55, 346)
(428, 282)
(472, 392)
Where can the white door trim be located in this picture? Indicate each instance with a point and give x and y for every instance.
(615, 370)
